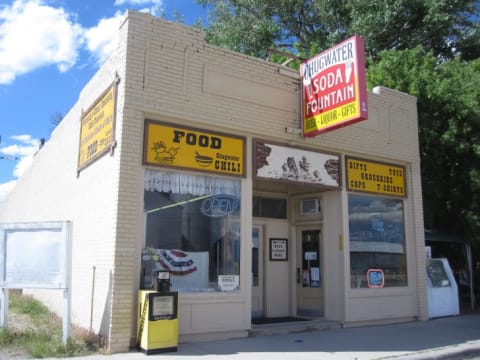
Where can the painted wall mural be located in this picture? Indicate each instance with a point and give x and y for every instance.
(293, 164)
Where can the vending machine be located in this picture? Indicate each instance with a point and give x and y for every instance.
(157, 325)
(442, 289)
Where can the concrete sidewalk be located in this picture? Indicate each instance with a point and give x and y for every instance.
(455, 337)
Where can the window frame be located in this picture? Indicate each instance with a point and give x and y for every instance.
(229, 224)
(400, 247)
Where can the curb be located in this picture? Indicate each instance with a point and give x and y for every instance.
(460, 351)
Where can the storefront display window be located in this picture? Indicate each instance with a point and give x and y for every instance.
(192, 229)
(377, 241)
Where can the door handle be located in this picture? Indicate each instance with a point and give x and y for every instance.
(298, 275)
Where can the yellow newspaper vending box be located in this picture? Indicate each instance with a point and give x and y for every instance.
(157, 327)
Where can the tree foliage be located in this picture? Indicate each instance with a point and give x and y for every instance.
(448, 96)
(305, 27)
(427, 48)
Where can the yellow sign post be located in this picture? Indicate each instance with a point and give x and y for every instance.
(97, 131)
(376, 178)
(173, 146)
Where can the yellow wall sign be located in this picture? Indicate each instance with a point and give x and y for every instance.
(180, 147)
(376, 178)
(97, 130)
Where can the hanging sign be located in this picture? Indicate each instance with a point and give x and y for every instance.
(374, 177)
(169, 145)
(334, 90)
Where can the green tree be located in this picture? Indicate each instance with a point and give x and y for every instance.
(305, 27)
(448, 95)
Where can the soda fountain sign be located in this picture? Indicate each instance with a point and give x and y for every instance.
(334, 90)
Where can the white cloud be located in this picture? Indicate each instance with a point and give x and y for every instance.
(33, 35)
(15, 150)
(23, 149)
(102, 39)
(138, 2)
(26, 145)
(26, 139)
(154, 9)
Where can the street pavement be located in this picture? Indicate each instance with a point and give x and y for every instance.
(456, 337)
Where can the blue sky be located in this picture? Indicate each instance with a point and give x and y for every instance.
(49, 49)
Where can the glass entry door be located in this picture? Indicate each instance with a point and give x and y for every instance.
(309, 271)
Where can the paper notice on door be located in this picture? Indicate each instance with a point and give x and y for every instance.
(229, 282)
(315, 275)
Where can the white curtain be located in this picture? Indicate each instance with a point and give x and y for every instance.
(197, 185)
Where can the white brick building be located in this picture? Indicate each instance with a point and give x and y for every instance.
(166, 74)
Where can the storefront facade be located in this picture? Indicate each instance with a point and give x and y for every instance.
(202, 170)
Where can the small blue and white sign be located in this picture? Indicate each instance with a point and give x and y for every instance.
(375, 278)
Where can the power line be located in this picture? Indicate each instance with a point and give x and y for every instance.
(4, 157)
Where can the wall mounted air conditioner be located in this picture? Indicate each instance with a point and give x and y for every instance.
(309, 206)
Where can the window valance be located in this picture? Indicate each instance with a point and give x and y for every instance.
(180, 183)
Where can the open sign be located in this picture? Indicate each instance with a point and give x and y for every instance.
(218, 206)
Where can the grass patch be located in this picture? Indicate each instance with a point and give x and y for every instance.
(36, 332)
